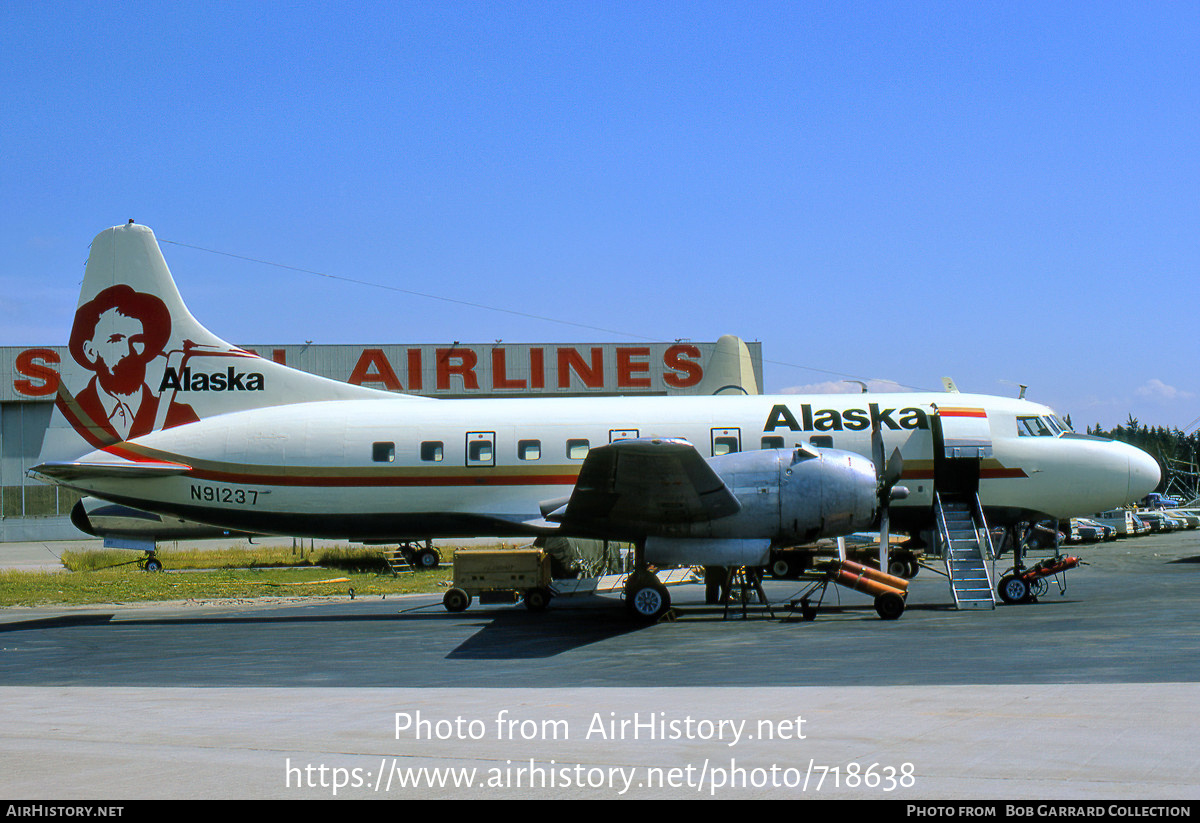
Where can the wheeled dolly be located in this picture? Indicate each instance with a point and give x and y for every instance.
(1026, 585)
(890, 592)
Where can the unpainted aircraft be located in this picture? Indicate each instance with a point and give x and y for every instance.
(185, 425)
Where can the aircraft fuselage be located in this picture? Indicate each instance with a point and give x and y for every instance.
(381, 469)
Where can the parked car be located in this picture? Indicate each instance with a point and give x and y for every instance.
(1045, 534)
(1191, 517)
(1076, 530)
(1103, 531)
(1159, 522)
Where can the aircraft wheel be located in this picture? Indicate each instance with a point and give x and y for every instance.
(914, 568)
(456, 600)
(808, 612)
(898, 567)
(427, 559)
(1013, 589)
(648, 602)
(889, 605)
(153, 564)
(781, 568)
(536, 600)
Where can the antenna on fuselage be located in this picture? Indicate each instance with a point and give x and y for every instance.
(1021, 386)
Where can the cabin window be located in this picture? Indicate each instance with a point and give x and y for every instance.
(577, 449)
(822, 441)
(772, 442)
(383, 452)
(529, 449)
(479, 451)
(432, 451)
(622, 434)
(481, 448)
(724, 445)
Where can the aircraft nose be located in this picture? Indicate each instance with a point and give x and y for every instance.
(1144, 474)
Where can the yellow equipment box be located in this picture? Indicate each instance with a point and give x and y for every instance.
(500, 576)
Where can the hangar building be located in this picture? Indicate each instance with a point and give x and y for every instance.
(31, 431)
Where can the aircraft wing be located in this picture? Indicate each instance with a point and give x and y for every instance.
(630, 485)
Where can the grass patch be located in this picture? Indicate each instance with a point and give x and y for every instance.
(128, 584)
(248, 571)
(237, 557)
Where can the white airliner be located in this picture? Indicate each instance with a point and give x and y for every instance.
(186, 425)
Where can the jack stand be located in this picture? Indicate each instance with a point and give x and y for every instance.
(742, 582)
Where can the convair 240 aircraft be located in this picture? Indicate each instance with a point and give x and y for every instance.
(186, 425)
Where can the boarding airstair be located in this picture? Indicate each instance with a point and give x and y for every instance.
(397, 561)
(967, 550)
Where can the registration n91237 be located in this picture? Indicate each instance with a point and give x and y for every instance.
(225, 494)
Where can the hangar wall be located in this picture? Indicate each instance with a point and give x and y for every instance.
(31, 432)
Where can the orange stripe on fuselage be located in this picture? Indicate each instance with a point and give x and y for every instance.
(962, 412)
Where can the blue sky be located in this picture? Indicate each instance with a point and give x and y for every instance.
(1000, 192)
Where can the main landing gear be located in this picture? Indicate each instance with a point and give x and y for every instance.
(646, 599)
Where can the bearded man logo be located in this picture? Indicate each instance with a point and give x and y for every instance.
(116, 335)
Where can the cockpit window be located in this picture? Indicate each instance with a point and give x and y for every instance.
(1048, 425)
(1033, 427)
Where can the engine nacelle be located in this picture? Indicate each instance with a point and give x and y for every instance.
(114, 522)
(788, 496)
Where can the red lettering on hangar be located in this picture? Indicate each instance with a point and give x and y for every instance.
(683, 357)
(459, 365)
(38, 377)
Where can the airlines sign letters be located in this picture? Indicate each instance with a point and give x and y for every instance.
(435, 370)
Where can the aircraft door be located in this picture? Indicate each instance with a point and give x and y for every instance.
(962, 438)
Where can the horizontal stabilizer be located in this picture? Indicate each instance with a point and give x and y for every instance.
(66, 471)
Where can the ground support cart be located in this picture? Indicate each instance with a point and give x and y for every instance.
(500, 577)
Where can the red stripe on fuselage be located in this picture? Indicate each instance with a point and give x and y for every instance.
(385, 481)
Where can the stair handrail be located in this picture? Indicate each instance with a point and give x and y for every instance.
(944, 536)
(987, 538)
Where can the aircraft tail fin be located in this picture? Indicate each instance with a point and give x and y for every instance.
(730, 369)
(141, 362)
